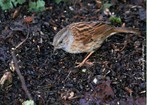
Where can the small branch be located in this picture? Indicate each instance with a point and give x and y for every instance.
(20, 76)
(23, 84)
(22, 41)
(125, 44)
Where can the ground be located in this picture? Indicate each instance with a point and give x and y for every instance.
(117, 76)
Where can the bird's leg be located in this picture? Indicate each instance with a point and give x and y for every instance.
(83, 62)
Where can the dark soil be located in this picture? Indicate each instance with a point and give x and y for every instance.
(117, 76)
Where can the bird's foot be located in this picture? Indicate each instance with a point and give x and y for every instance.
(85, 63)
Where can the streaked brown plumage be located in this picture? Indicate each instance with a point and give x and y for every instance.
(83, 37)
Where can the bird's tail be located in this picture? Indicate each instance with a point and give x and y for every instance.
(127, 30)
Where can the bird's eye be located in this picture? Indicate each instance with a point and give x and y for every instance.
(61, 41)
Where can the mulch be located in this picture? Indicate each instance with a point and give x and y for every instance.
(117, 76)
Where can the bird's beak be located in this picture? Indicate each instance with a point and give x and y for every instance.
(55, 48)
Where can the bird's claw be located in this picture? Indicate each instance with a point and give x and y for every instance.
(79, 64)
(87, 63)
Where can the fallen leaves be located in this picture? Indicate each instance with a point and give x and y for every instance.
(130, 91)
(100, 94)
(28, 19)
(7, 77)
(67, 95)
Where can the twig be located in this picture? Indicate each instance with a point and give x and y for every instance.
(23, 40)
(67, 75)
(19, 74)
(125, 44)
(23, 84)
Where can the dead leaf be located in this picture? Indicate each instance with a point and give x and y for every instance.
(28, 19)
(7, 76)
(130, 91)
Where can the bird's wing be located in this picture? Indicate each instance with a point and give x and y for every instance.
(88, 31)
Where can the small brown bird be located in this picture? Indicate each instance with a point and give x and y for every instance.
(84, 37)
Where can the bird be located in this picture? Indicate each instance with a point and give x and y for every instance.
(86, 37)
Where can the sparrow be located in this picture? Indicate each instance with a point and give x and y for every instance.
(86, 37)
